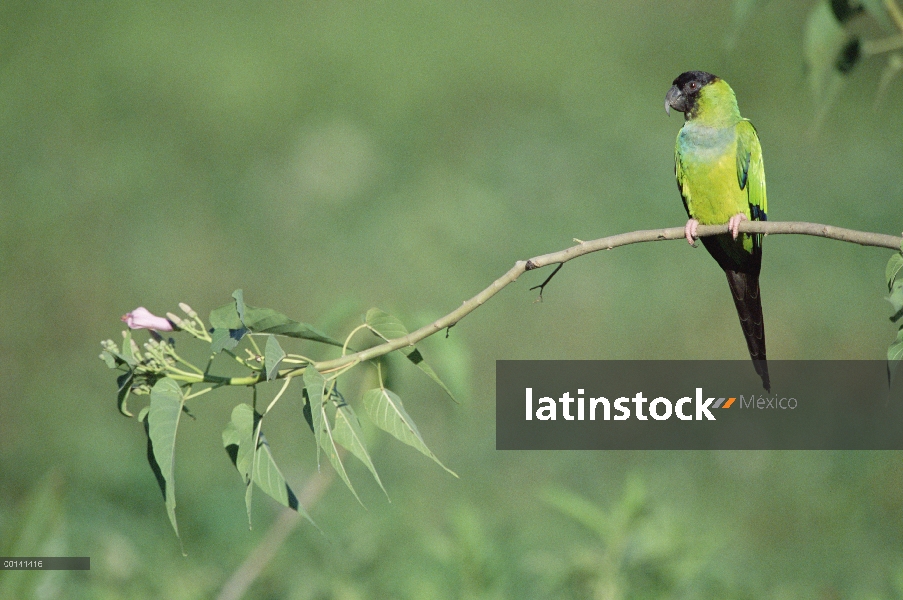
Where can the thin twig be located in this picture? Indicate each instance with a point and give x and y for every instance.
(542, 286)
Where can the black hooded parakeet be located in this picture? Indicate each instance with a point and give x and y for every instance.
(721, 177)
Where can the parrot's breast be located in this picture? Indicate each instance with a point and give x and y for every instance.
(707, 144)
(708, 160)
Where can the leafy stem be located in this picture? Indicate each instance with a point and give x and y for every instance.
(340, 365)
(158, 370)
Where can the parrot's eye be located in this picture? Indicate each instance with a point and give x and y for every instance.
(693, 86)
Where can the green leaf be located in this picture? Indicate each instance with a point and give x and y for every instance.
(124, 382)
(347, 432)
(239, 297)
(269, 478)
(329, 447)
(895, 351)
(236, 435)
(151, 459)
(127, 356)
(896, 300)
(238, 439)
(273, 355)
(389, 328)
(118, 359)
(892, 271)
(308, 415)
(108, 358)
(227, 328)
(256, 464)
(225, 317)
(876, 9)
(226, 339)
(162, 424)
(388, 413)
(894, 355)
(249, 488)
(824, 41)
(314, 383)
(238, 315)
(265, 320)
(846, 10)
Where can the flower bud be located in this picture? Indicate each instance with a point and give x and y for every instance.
(141, 318)
(188, 310)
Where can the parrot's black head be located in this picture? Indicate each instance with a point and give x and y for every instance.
(685, 91)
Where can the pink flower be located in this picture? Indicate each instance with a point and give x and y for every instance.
(141, 318)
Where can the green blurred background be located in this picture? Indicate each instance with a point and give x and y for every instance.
(331, 156)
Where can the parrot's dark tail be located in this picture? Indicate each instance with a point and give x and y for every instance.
(745, 290)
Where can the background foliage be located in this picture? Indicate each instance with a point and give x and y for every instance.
(329, 157)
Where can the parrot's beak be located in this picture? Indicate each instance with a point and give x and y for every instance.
(675, 99)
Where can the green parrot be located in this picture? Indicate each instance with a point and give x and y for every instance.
(720, 175)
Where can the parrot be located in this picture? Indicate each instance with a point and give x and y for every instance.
(721, 178)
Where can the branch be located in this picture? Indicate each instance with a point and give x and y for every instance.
(863, 238)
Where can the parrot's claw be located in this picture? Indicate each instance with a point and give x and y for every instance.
(690, 232)
(734, 224)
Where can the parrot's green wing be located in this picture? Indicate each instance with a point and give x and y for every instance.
(750, 170)
(751, 173)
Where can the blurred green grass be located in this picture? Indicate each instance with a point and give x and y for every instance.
(403, 155)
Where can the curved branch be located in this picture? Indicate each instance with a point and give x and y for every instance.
(863, 238)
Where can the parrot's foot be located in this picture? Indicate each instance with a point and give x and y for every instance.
(734, 224)
(690, 232)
